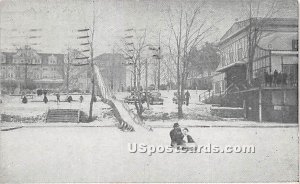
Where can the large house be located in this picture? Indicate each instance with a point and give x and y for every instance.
(44, 70)
(113, 70)
(267, 84)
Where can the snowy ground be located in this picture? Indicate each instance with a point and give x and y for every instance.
(100, 154)
(12, 105)
(195, 110)
(92, 154)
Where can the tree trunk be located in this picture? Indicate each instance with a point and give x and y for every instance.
(68, 73)
(179, 100)
(140, 107)
(146, 90)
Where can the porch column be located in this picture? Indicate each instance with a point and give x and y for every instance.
(259, 105)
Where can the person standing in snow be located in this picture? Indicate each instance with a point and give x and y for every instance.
(187, 98)
(58, 97)
(45, 100)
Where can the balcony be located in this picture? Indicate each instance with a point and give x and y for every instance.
(276, 81)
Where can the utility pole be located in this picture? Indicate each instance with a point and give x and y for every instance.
(159, 57)
(68, 72)
(112, 70)
(26, 66)
(90, 44)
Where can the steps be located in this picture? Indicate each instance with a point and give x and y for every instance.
(63, 115)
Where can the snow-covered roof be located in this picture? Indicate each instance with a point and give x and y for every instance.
(278, 40)
(266, 22)
(223, 68)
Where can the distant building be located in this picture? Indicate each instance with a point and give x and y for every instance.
(44, 70)
(271, 93)
(113, 69)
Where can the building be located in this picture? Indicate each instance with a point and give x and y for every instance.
(267, 84)
(41, 70)
(113, 69)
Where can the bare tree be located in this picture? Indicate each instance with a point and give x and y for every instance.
(257, 20)
(188, 32)
(134, 49)
(72, 68)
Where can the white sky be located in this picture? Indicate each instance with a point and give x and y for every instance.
(60, 19)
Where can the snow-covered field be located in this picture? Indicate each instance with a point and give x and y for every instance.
(101, 155)
(195, 107)
(13, 105)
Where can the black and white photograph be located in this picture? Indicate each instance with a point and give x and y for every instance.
(148, 91)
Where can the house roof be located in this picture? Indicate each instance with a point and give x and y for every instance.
(273, 22)
(107, 56)
(224, 68)
(44, 57)
(278, 40)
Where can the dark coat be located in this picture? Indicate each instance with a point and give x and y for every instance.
(24, 100)
(45, 99)
(187, 95)
(190, 139)
(176, 137)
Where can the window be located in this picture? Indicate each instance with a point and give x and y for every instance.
(2, 75)
(3, 60)
(10, 75)
(240, 54)
(260, 66)
(218, 87)
(223, 60)
(52, 59)
(231, 57)
(295, 45)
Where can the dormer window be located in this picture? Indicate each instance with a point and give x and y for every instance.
(52, 60)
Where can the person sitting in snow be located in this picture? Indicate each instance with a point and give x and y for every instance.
(176, 136)
(187, 138)
(70, 99)
(24, 100)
